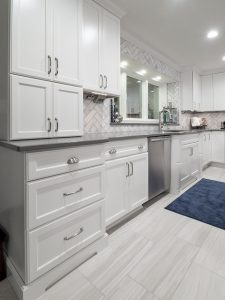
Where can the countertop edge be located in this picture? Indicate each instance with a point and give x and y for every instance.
(65, 144)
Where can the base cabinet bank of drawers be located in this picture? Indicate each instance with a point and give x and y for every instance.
(126, 177)
(53, 207)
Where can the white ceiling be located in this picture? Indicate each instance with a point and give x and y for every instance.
(178, 28)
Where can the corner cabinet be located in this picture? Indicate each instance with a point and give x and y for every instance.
(126, 178)
(45, 51)
(41, 109)
(101, 49)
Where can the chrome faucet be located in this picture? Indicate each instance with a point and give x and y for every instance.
(161, 124)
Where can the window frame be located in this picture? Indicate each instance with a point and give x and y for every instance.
(123, 100)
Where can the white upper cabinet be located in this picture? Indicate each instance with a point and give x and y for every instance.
(91, 46)
(219, 91)
(68, 110)
(31, 39)
(101, 49)
(191, 90)
(110, 53)
(46, 39)
(67, 41)
(31, 108)
(42, 109)
(207, 93)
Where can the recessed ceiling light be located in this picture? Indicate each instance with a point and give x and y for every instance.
(123, 64)
(212, 34)
(141, 72)
(157, 78)
(223, 58)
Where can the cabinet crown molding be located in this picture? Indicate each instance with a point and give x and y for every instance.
(113, 8)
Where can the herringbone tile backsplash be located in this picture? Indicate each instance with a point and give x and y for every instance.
(97, 119)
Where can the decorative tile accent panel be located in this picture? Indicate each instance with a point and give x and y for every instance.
(134, 52)
(173, 93)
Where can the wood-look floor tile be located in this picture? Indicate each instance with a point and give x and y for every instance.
(161, 225)
(107, 273)
(195, 232)
(212, 252)
(200, 284)
(162, 269)
(128, 289)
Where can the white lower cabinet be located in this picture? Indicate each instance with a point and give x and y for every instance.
(50, 245)
(54, 197)
(126, 185)
(185, 161)
(41, 109)
(218, 147)
(206, 148)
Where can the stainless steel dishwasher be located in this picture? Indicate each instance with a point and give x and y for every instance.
(159, 165)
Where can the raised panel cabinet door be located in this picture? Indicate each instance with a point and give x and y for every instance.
(185, 165)
(195, 162)
(196, 91)
(110, 62)
(31, 38)
(31, 108)
(67, 41)
(116, 189)
(218, 144)
(219, 91)
(68, 110)
(207, 93)
(138, 180)
(92, 79)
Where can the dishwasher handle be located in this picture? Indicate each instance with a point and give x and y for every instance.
(159, 139)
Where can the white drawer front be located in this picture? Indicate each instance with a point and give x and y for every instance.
(54, 162)
(125, 148)
(53, 197)
(50, 245)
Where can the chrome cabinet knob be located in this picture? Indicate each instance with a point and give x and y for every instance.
(73, 160)
(140, 147)
(112, 151)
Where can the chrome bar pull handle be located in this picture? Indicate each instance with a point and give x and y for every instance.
(67, 238)
(106, 82)
(49, 125)
(128, 170)
(101, 81)
(132, 169)
(73, 160)
(57, 125)
(56, 66)
(49, 65)
(73, 193)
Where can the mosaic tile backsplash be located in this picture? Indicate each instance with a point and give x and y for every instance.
(97, 119)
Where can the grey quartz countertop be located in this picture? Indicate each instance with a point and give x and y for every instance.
(88, 139)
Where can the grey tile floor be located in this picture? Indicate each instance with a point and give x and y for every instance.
(158, 255)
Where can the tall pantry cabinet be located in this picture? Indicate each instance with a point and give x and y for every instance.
(43, 95)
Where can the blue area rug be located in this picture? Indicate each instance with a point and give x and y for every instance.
(205, 202)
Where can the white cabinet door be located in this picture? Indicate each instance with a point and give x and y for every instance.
(219, 91)
(207, 93)
(207, 148)
(68, 110)
(116, 189)
(31, 38)
(67, 41)
(187, 90)
(110, 63)
(218, 147)
(91, 46)
(196, 91)
(31, 108)
(138, 180)
(195, 163)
